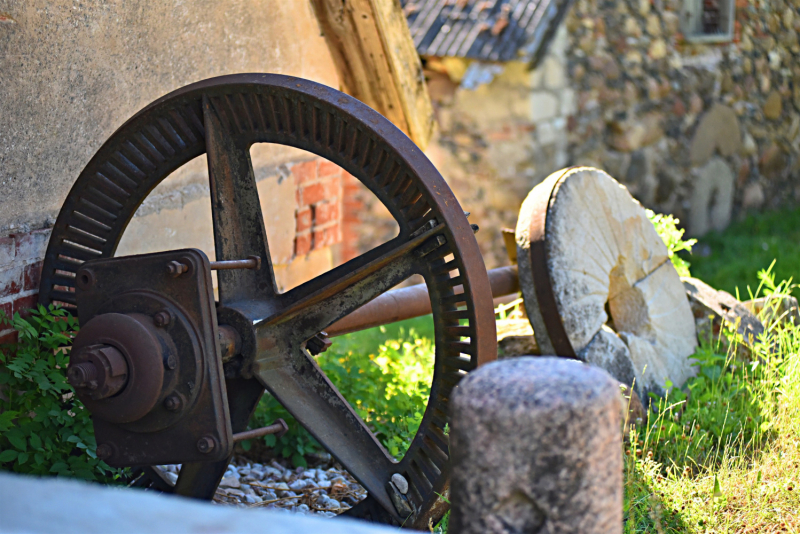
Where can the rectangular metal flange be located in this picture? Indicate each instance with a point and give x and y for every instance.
(190, 421)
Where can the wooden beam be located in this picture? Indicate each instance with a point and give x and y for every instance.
(377, 61)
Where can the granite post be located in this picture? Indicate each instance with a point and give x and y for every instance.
(536, 447)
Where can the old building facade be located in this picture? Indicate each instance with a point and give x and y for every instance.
(694, 105)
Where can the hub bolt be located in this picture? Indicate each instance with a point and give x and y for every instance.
(319, 343)
(205, 444)
(162, 318)
(173, 403)
(82, 375)
(176, 268)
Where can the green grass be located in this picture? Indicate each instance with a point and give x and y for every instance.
(724, 459)
(746, 246)
(719, 455)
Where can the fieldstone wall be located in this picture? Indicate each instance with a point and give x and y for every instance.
(703, 131)
(706, 132)
(502, 130)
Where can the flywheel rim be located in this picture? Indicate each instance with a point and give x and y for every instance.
(295, 112)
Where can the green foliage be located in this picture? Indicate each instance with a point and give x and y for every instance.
(728, 403)
(44, 429)
(694, 466)
(384, 373)
(730, 258)
(672, 236)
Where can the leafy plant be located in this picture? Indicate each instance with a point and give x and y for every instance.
(672, 236)
(721, 455)
(44, 428)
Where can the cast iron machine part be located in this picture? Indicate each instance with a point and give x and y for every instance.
(170, 375)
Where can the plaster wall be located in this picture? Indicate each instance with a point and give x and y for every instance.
(72, 72)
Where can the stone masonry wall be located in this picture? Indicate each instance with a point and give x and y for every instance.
(499, 139)
(704, 131)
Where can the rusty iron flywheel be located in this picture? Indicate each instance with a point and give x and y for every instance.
(219, 357)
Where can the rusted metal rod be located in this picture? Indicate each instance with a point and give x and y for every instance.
(252, 262)
(413, 301)
(278, 427)
(391, 307)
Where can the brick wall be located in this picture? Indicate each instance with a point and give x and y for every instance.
(353, 205)
(318, 212)
(20, 269)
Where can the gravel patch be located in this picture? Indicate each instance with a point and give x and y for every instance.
(326, 490)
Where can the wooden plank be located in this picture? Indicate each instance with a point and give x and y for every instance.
(377, 61)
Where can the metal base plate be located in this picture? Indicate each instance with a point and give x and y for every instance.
(193, 379)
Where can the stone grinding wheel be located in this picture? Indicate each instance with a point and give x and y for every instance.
(222, 117)
(586, 250)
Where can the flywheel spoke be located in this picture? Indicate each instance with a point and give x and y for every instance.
(304, 390)
(324, 300)
(238, 224)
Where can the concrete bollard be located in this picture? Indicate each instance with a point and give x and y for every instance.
(536, 448)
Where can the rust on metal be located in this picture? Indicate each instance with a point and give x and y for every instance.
(230, 342)
(279, 427)
(540, 271)
(164, 330)
(222, 118)
(414, 301)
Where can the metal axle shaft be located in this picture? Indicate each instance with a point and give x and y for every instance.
(413, 301)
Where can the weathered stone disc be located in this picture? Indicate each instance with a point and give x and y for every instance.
(586, 249)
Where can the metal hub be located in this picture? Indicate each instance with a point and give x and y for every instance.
(270, 337)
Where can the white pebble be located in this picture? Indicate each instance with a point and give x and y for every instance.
(299, 484)
(272, 472)
(400, 483)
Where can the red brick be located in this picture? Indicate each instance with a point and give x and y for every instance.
(10, 281)
(23, 305)
(8, 336)
(303, 219)
(31, 276)
(326, 189)
(302, 244)
(327, 168)
(8, 309)
(305, 172)
(314, 193)
(326, 212)
(326, 237)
